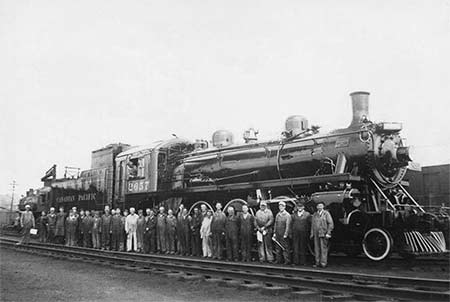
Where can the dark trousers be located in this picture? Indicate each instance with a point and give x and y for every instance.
(96, 239)
(185, 243)
(246, 245)
(300, 243)
(51, 236)
(79, 238)
(123, 245)
(196, 243)
(106, 240)
(170, 242)
(117, 240)
(26, 234)
(71, 239)
(59, 239)
(87, 239)
(161, 241)
(150, 242)
(43, 234)
(232, 246)
(217, 244)
(283, 250)
(321, 250)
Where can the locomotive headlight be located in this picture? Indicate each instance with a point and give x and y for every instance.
(390, 126)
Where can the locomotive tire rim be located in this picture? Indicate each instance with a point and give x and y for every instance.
(384, 236)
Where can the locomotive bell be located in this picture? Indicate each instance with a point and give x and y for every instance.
(360, 106)
(296, 124)
(222, 138)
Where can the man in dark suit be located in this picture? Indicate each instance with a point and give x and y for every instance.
(301, 222)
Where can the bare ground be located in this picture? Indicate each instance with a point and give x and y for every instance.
(27, 277)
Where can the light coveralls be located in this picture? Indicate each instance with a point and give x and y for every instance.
(130, 228)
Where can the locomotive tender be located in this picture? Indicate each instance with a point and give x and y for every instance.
(357, 171)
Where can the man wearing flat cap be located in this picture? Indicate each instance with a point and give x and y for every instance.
(27, 222)
(280, 236)
(301, 222)
(321, 228)
(263, 224)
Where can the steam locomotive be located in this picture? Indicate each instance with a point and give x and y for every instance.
(356, 171)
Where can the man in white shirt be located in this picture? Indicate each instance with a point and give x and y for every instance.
(130, 229)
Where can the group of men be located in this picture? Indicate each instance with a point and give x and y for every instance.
(203, 233)
(294, 230)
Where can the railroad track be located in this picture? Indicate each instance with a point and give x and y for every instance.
(275, 279)
(440, 263)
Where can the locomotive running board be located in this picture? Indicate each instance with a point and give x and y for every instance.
(344, 177)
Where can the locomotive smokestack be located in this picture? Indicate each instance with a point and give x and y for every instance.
(360, 106)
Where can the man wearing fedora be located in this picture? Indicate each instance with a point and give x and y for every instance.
(321, 228)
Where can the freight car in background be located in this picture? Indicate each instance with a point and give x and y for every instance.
(357, 171)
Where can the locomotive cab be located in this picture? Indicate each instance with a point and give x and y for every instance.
(145, 170)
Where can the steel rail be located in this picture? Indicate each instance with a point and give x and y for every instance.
(265, 274)
(419, 261)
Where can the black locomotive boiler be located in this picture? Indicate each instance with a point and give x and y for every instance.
(357, 171)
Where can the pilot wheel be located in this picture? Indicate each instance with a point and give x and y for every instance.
(377, 244)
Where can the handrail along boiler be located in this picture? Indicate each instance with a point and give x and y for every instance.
(357, 171)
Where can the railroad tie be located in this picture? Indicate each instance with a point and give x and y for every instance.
(275, 290)
(251, 286)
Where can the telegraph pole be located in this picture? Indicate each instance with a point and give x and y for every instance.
(13, 184)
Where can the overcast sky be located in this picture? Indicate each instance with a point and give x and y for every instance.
(78, 75)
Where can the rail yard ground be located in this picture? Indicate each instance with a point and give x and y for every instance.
(27, 277)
